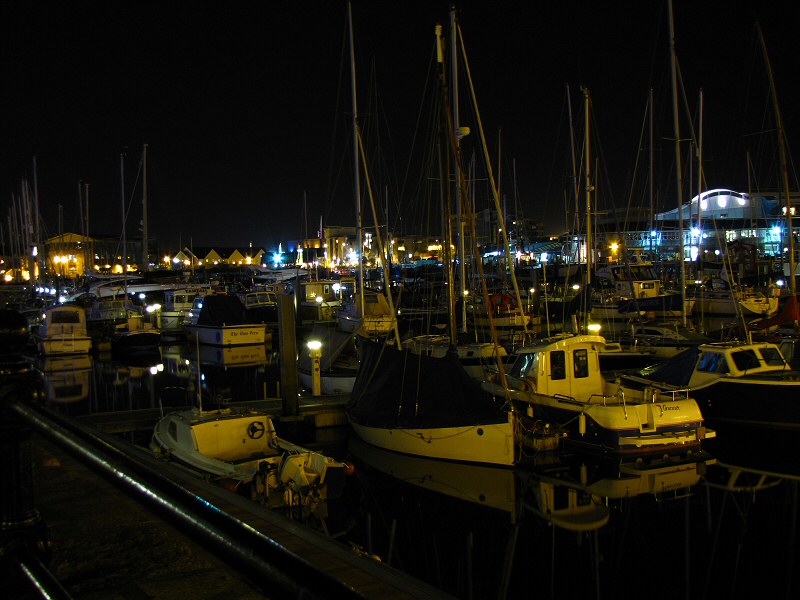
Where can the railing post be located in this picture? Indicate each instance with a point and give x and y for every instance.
(24, 539)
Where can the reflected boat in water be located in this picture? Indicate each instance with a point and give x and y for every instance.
(505, 528)
(492, 487)
(66, 378)
(230, 356)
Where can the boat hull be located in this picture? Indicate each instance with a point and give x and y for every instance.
(755, 401)
(670, 427)
(485, 444)
(243, 447)
(58, 345)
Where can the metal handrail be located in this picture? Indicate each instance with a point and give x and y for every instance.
(255, 556)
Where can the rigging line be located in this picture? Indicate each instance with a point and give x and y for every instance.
(488, 166)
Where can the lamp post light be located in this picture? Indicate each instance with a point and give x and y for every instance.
(315, 353)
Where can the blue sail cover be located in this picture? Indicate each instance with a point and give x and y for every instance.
(400, 389)
(674, 371)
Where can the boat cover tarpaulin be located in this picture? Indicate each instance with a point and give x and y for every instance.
(400, 389)
(676, 370)
(334, 343)
(219, 309)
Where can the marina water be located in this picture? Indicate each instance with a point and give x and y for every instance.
(566, 523)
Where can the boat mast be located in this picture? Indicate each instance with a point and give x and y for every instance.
(457, 168)
(358, 148)
(589, 189)
(490, 174)
(356, 170)
(124, 236)
(678, 175)
(36, 231)
(445, 123)
(650, 118)
(145, 253)
(700, 180)
(784, 167)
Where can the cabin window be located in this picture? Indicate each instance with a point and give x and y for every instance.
(580, 362)
(64, 316)
(745, 359)
(772, 357)
(525, 364)
(712, 362)
(558, 364)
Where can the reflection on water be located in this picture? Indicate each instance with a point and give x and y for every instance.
(569, 524)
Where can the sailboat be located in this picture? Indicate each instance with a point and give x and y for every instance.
(364, 312)
(428, 405)
(490, 314)
(559, 380)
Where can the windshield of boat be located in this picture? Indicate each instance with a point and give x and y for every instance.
(712, 362)
(63, 316)
(745, 359)
(526, 365)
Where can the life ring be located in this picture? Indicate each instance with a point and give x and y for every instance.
(255, 430)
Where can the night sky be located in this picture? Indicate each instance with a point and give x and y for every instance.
(245, 106)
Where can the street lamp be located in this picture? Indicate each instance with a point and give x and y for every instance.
(315, 353)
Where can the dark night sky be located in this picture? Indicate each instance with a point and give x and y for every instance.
(245, 106)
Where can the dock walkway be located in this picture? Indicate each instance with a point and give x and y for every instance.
(107, 545)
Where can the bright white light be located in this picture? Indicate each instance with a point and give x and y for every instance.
(776, 230)
(695, 232)
(318, 299)
(153, 308)
(594, 327)
(314, 344)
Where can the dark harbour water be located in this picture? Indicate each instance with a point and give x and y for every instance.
(722, 526)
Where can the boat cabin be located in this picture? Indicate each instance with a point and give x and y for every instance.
(568, 366)
(632, 281)
(63, 320)
(729, 359)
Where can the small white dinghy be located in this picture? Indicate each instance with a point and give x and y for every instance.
(243, 447)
